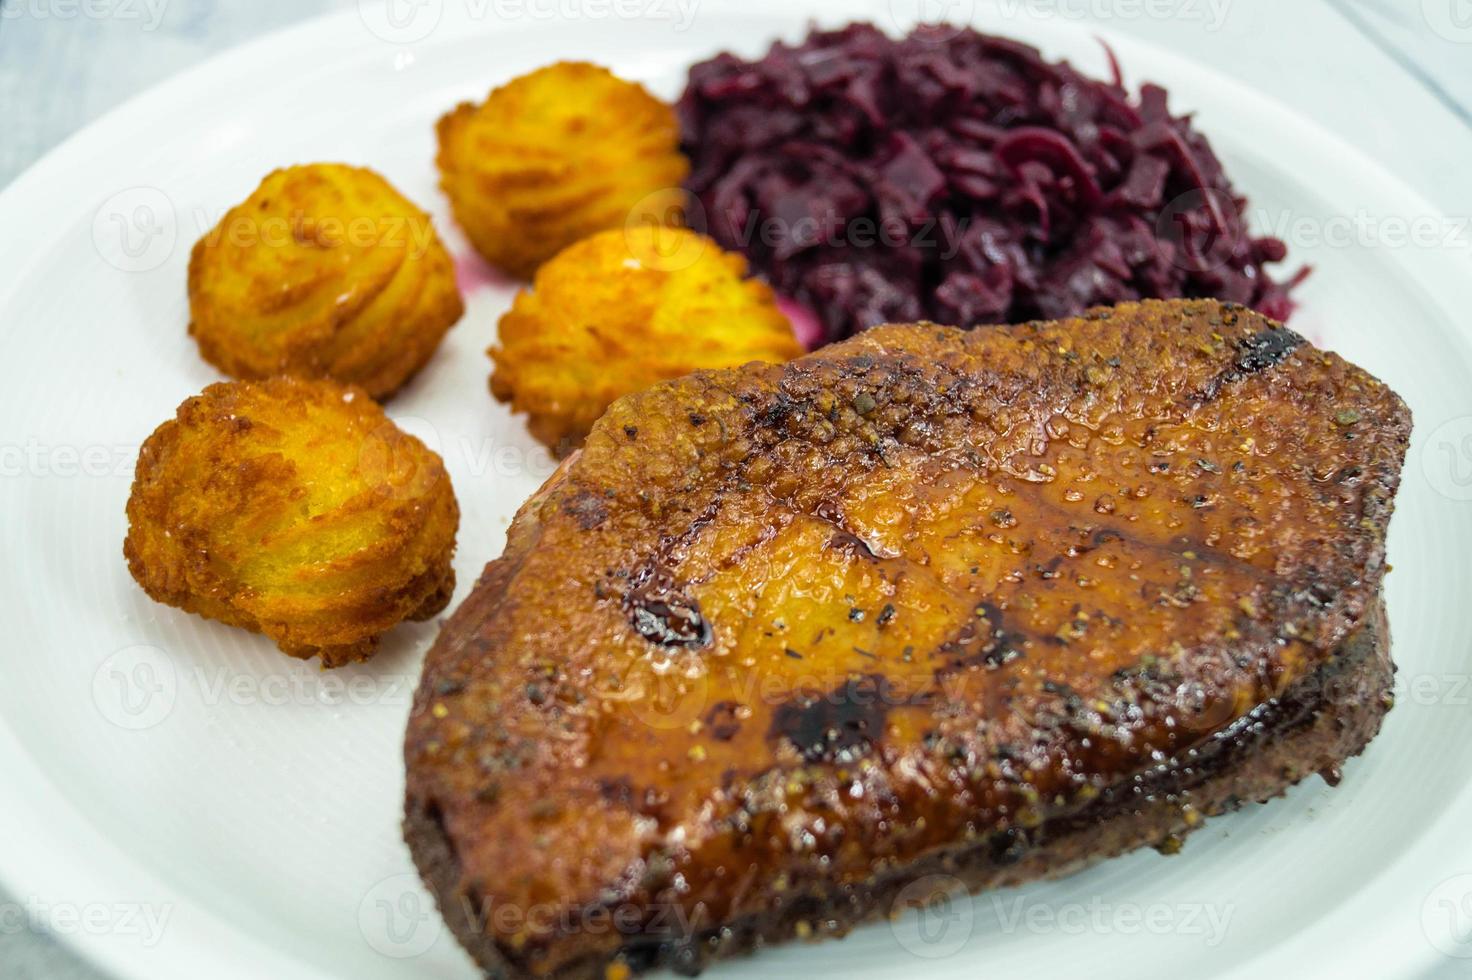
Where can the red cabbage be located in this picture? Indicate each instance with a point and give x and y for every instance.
(961, 178)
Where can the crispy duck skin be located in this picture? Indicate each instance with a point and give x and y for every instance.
(782, 640)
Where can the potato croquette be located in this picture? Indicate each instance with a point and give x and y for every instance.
(554, 156)
(622, 310)
(325, 271)
(293, 508)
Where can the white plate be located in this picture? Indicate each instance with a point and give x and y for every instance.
(165, 771)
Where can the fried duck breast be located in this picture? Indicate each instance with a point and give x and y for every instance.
(783, 640)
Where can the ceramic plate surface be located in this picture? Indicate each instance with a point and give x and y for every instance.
(185, 802)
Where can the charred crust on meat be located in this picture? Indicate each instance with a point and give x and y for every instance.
(1265, 349)
(1256, 352)
(724, 720)
(662, 613)
(983, 640)
(589, 509)
(838, 726)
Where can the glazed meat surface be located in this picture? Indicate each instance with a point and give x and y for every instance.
(782, 638)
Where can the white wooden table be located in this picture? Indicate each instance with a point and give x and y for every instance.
(1393, 77)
